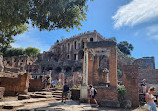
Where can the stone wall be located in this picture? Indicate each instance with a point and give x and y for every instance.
(123, 59)
(2, 89)
(145, 62)
(130, 81)
(151, 75)
(14, 86)
(35, 85)
(1, 64)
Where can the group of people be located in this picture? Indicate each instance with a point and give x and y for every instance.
(149, 98)
(92, 93)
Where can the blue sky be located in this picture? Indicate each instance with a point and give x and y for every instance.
(135, 21)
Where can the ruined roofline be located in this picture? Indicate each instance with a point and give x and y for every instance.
(80, 35)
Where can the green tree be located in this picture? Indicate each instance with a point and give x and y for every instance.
(125, 47)
(30, 51)
(9, 52)
(44, 14)
(112, 38)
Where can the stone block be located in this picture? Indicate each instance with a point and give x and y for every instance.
(110, 103)
(2, 89)
(21, 97)
(127, 104)
(75, 94)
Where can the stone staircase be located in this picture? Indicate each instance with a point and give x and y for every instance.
(52, 94)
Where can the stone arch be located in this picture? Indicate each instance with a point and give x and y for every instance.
(67, 69)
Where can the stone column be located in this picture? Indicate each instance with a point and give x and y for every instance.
(84, 87)
(113, 67)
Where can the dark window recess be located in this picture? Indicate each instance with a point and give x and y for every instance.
(68, 56)
(74, 56)
(91, 39)
(75, 44)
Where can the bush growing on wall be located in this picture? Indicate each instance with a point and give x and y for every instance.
(121, 92)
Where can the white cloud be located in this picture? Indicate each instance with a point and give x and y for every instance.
(152, 32)
(136, 12)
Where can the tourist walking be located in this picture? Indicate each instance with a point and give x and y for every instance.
(150, 99)
(65, 91)
(143, 85)
(92, 95)
(48, 81)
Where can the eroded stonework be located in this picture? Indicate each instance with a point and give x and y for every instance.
(65, 57)
(1, 64)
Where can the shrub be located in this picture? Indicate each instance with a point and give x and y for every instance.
(121, 92)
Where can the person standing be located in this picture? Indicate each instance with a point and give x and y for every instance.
(150, 99)
(48, 82)
(143, 85)
(92, 95)
(65, 91)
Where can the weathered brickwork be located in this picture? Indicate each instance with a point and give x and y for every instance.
(1, 64)
(106, 93)
(14, 86)
(130, 81)
(123, 59)
(93, 63)
(145, 63)
(2, 89)
(151, 75)
(35, 85)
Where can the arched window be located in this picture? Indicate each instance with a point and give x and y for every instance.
(91, 39)
(75, 45)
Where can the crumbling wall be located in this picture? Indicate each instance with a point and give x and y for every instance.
(123, 59)
(2, 89)
(106, 93)
(130, 81)
(151, 75)
(35, 85)
(14, 86)
(1, 64)
(145, 62)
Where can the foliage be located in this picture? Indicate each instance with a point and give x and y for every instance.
(121, 92)
(59, 86)
(44, 14)
(112, 38)
(131, 57)
(30, 51)
(57, 41)
(125, 47)
(9, 52)
(76, 87)
(1, 53)
(119, 73)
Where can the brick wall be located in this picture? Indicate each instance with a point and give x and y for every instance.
(151, 75)
(130, 81)
(35, 85)
(14, 86)
(123, 59)
(2, 89)
(106, 93)
(1, 63)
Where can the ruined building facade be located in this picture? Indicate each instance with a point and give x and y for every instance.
(66, 57)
